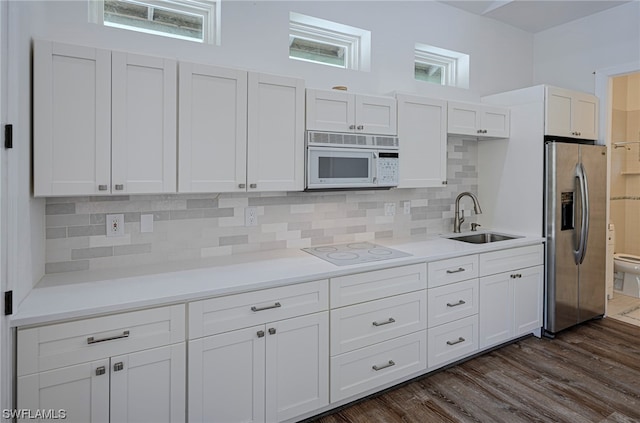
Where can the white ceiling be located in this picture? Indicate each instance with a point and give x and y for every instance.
(534, 15)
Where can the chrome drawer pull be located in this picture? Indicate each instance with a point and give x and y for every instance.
(460, 339)
(384, 366)
(118, 366)
(100, 371)
(92, 340)
(276, 305)
(391, 320)
(456, 304)
(516, 275)
(260, 334)
(460, 269)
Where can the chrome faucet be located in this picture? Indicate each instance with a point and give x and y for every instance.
(457, 221)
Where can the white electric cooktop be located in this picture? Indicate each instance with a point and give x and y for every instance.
(354, 253)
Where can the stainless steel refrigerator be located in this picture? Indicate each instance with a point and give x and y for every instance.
(575, 230)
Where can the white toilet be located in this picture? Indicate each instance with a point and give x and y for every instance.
(627, 274)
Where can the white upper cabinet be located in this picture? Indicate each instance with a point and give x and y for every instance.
(570, 114)
(339, 111)
(72, 119)
(275, 135)
(478, 120)
(104, 122)
(239, 131)
(212, 129)
(143, 113)
(422, 133)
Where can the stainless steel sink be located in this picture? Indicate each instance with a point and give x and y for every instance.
(483, 238)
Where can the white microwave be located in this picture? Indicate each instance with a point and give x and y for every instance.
(351, 161)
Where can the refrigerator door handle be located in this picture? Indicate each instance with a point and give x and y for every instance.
(584, 204)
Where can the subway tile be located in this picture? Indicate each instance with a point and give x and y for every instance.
(131, 217)
(103, 198)
(98, 218)
(312, 233)
(66, 266)
(53, 233)
(66, 208)
(121, 250)
(187, 214)
(227, 212)
(86, 230)
(202, 204)
(234, 240)
(216, 251)
(59, 220)
(91, 252)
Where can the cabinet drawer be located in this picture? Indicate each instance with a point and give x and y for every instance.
(64, 344)
(514, 258)
(222, 314)
(453, 340)
(367, 286)
(364, 324)
(452, 302)
(452, 270)
(367, 368)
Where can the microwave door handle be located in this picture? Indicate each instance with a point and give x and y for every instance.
(375, 167)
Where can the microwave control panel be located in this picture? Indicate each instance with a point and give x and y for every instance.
(388, 169)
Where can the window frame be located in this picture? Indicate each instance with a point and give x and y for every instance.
(209, 10)
(356, 42)
(455, 65)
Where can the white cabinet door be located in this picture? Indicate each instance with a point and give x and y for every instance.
(297, 366)
(527, 300)
(227, 377)
(339, 111)
(571, 114)
(478, 120)
(212, 138)
(331, 111)
(149, 386)
(510, 305)
(144, 119)
(376, 115)
(275, 134)
(82, 391)
(496, 309)
(72, 119)
(422, 131)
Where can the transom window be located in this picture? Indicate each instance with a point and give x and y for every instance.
(193, 20)
(328, 43)
(440, 66)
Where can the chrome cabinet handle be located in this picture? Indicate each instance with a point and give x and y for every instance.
(391, 320)
(242, 185)
(360, 127)
(460, 339)
(260, 333)
(118, 366)
(460, 269)
(516, 275)
(102, 187)
(479, 131)
(119, 187)
(272, 331)
(253, 185)
(92, 340)
(384, 366)
(100, 370)
(352, 127)
(276, 305)
(459, 303)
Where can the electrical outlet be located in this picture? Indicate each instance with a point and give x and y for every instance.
(407, 207)
(115, 224)
(389, 209)
(250, 216)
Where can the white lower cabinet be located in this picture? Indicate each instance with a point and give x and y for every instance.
(453, 340)
(107, 377)
(270, 372)
(510, 305)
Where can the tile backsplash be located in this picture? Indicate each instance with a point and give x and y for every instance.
(191, 226)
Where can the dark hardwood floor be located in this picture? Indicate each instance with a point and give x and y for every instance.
(590, 373)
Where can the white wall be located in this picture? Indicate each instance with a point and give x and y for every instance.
(255, 36)
(567, 55)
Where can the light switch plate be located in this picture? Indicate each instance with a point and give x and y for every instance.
(146, 223)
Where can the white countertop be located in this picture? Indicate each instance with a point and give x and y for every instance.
(83, 294)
